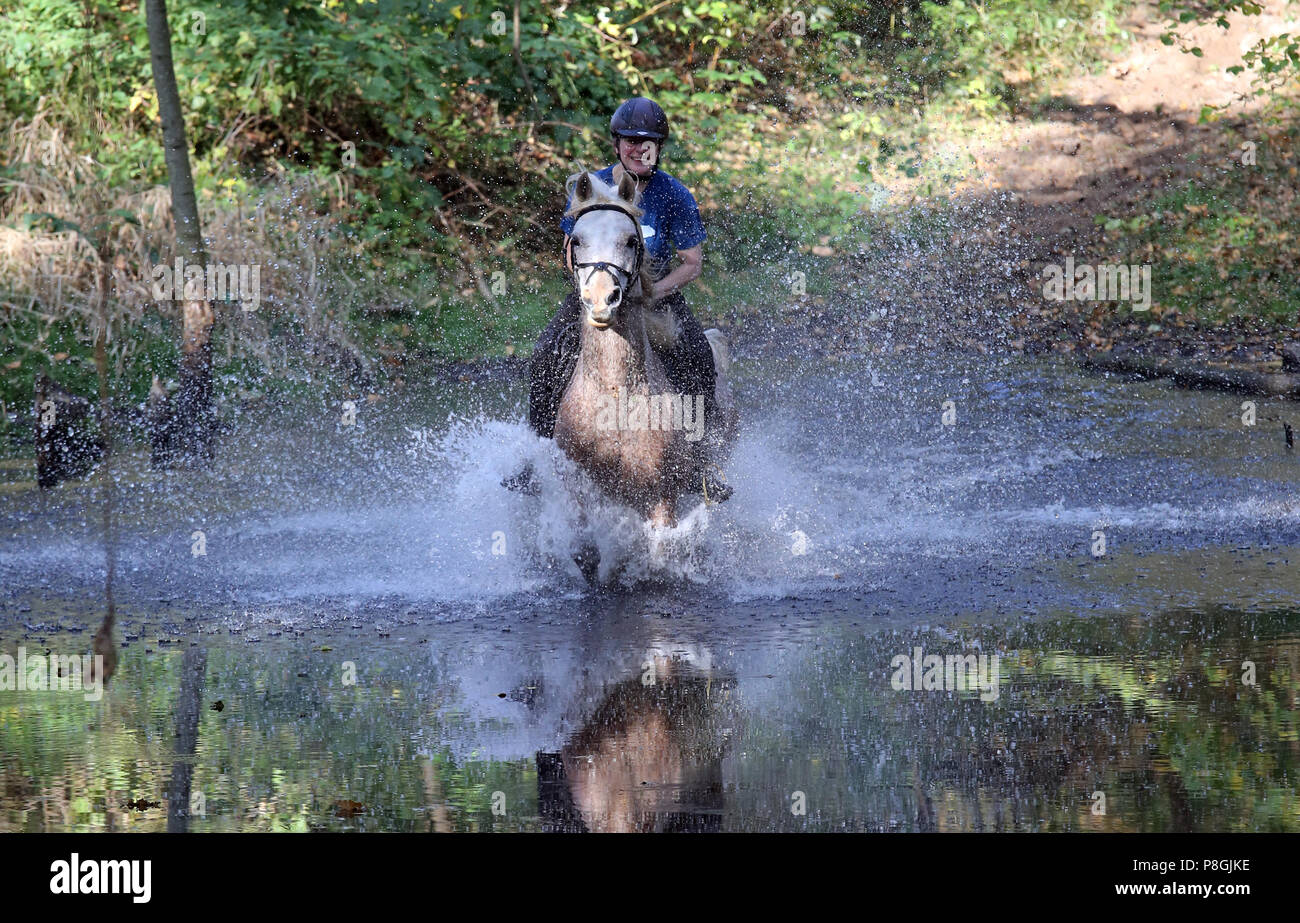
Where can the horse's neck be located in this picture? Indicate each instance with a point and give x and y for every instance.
(618, 357)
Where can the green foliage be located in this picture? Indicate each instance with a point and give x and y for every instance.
(979, 49)
(1221, 246)
(449, 150)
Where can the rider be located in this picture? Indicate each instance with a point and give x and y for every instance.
(671, 227)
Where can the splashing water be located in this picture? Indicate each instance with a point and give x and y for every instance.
(845, 482)
(569, 514)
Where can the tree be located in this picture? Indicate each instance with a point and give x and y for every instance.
(190, 422)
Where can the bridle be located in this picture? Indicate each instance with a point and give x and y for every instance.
(613, 269)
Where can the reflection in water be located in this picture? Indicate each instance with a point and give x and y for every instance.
(1125, 723)
(648, 759)
(193, 666)
(103, 645)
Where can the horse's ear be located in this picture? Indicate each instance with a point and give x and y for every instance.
(583, 189)
(619, 173)
(627, 189)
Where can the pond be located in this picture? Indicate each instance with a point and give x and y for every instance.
(349, 624)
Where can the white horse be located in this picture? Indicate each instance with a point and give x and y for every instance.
(620, 419)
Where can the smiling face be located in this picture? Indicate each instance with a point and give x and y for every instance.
(638, 155)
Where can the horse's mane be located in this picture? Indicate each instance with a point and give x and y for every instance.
(602, 193)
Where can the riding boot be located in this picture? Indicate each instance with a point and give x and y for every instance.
(554, 357)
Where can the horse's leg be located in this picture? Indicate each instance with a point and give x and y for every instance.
(664, 513)
(587, 557)
(588, 561)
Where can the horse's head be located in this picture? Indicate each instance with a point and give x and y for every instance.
(606, 249)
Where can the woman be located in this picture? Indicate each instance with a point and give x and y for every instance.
(672, 228)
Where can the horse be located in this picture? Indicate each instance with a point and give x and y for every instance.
(619, 419)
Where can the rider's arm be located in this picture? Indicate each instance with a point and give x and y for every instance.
(687, 271)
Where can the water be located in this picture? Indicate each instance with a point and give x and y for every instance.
(736, 672)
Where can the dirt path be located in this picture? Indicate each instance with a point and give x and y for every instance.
(1107, 144)
(1132, 126)
(1112, 140)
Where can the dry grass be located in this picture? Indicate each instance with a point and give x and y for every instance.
(52, 276)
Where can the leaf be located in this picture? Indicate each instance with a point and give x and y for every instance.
(346, 808)
(52, 224)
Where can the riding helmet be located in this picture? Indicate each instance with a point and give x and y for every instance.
(639, 118)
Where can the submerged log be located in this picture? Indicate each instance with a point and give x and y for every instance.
(1190, 373)
(67, 445)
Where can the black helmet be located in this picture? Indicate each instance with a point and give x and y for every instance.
(639, 118)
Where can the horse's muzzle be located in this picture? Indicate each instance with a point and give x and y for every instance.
(602, 313)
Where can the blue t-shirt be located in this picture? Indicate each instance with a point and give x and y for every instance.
(671, 221)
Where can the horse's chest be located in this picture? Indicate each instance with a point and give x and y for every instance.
(603, 430)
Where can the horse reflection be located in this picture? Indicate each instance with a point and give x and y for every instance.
(648, 758)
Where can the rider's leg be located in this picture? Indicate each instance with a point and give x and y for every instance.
(549, 371)
(690, 366)
(691, 370)
(552, 364)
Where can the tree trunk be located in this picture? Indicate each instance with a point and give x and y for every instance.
(193, 418)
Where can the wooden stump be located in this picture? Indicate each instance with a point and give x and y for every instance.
(67, 444)
(164, 438)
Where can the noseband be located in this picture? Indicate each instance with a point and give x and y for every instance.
(613, 269)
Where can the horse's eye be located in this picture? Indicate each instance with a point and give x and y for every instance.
(631, 242)
(575, 241)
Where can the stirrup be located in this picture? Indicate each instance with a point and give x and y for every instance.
(714, 486)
